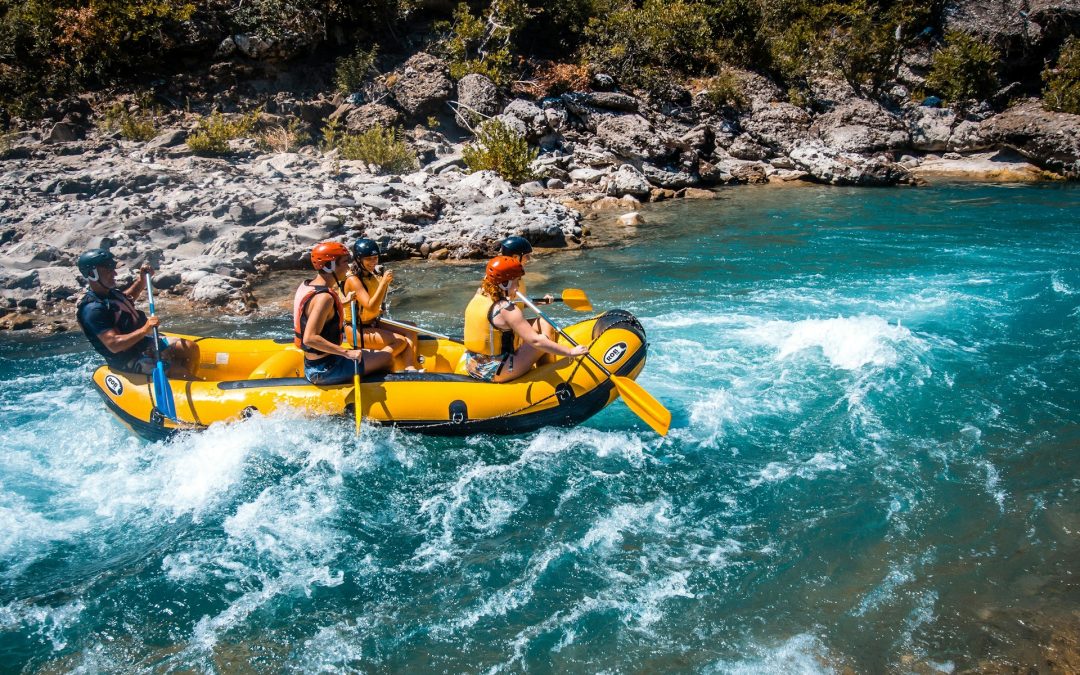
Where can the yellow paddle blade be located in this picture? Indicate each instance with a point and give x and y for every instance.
(642, 403)
(575, 299)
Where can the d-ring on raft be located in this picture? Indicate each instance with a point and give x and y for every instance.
(245, 377)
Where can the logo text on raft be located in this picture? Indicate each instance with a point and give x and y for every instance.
(114, 384)
(614, 353)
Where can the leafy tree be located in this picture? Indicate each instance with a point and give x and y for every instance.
(966, 68)
(484, 45)
(1062, 91)
(644, 45)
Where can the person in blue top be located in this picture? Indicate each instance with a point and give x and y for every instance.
(122, 334)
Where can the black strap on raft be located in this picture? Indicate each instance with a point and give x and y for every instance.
(459, 412)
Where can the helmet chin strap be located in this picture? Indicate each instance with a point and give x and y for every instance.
(93, 275)
(331, 268)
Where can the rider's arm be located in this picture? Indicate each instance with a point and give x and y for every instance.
(319, 310)
(117, 342)
(136, 288)
(515, 320)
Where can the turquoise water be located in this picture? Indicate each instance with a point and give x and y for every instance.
(873, 465)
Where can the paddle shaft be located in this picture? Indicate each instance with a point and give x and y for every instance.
(356, 365)
(569, 339)
(150, 298)
(415, 329)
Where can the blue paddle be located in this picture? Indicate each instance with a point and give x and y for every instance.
(356, 367)
(163, 396)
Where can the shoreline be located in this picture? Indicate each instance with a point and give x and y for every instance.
(595, 211)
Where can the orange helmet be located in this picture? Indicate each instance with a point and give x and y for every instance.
(325, 255)
(502, 269)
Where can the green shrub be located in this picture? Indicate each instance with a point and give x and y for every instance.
(213, 133)
(1062, 91)
(643, 46)
(725, 90)
(351, 71)
(378, 146)
(499, 148)
(137, 126)
(966, 68)
(475, 45)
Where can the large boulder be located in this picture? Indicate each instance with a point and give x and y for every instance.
(940, 130)
(828, 165)
(530, 115)
(365, 117)
(859, 125)
(778, 125)
(423, 85)
(633, 137)
(478, 98)
(1051, 140)
(627, 181)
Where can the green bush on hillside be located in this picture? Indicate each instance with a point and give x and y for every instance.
(1062, 90)
(484, 45)
(351, 71)
(725, 90)
(377, 146)
(966, 68)
(497, 147)
(213, 133)
(138, 126)
(642, 46)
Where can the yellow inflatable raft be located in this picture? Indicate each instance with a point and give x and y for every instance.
(245, 377)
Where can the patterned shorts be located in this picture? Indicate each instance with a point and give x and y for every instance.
(483, 367)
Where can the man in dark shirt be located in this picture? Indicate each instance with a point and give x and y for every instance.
(122, 334)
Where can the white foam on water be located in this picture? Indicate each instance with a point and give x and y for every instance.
(336, 648)
(848, 343)
(43, 621)
(803, 654)
(993, 485)
(777, 472)
(1059, 286)
(885, 592)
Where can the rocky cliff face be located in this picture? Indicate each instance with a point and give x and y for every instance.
(213, 226)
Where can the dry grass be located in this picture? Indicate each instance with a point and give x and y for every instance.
(551, 79)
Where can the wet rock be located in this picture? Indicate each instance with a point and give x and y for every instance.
(631, 219)
(423, 85)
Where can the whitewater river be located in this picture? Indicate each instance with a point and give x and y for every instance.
(874, 464)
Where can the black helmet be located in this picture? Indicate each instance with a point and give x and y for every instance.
(93, 259)
(515, 245)
(364, 248)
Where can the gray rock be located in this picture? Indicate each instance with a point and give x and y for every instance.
(633, 137)
(362, 118)
(532, 188)
(586, 175)
(668, 177)
(930, 128)
(1050, 140)
(530, 115)
(778, 126)
(65, 132)
(745, 147)
(168, 138)
(828, 165)
(606, 100)
(555, 184)
(213, 289)
(423, 85)
(477, 98)
(627, 181)
(859, 125)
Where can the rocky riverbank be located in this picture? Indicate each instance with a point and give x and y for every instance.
(213, 226)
